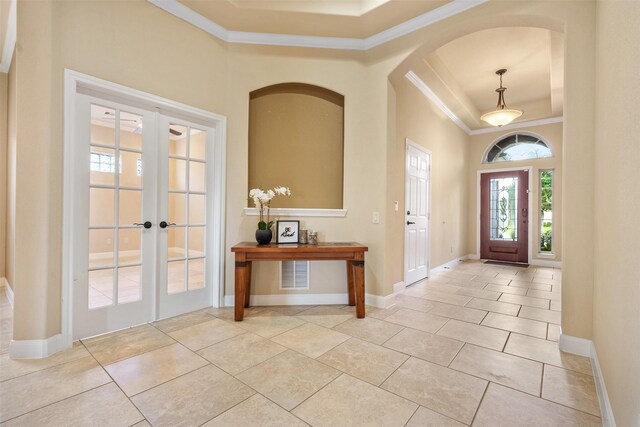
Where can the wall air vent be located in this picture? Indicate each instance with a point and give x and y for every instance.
(294, 275)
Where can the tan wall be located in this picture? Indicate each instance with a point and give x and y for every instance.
(4, 104)
(296, 139)
(422, 122)
(478, 147)
(617, 203)
(9, 256)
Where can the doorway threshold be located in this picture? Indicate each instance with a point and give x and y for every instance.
(510, 264)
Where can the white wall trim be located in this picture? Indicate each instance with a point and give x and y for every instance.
(343, 43)
(546, 263)
(36, 349)
(10, 36)
(431, 95)
(399, 287)
(5, 283)
(587, 348)
(450, 264)
(276, 212)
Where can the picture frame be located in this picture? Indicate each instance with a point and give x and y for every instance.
(287, 232)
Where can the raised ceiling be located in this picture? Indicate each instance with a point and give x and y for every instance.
(324, 18)
(462, 73)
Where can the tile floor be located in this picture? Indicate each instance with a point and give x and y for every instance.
(473, 345)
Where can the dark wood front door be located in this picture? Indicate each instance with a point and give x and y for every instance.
(504, 216)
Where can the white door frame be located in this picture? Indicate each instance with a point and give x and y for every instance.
(529, 207)
(75, 82)
(418, 147)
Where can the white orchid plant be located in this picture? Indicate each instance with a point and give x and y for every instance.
(262, 200)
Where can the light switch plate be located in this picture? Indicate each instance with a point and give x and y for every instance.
(376, 218)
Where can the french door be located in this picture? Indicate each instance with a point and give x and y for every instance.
(504, 216)
(140, 233)
(417, 176)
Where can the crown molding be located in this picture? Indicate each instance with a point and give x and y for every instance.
(430, 94)
(9, 39)
(181, 11)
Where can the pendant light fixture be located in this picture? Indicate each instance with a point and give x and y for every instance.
(502, 115)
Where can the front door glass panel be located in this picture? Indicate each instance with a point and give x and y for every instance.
(504, 209)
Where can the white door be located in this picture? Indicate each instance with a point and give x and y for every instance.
(114, 243)
(186, 179)
(416, 235)
(144, 188)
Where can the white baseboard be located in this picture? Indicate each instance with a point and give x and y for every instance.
(36, 349)
(5, 283)
(399, 287)
(586, 348)
(473, 256)
(546, 263)
(450, 264)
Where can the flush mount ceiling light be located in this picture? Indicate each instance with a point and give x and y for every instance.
(502, 115)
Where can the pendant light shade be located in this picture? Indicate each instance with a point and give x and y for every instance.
(502, 115)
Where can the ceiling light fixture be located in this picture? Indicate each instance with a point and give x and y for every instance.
(502, 115)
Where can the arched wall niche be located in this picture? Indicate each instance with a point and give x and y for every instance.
(296, 139)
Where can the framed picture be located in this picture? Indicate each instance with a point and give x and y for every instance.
(287, 231)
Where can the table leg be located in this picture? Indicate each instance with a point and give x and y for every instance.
(350, 284)
(358, 267)
(247, 289)
(241, 280)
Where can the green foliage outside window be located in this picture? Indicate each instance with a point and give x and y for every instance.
(546, 207)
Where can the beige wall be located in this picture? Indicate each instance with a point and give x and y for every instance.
(617, 203)
(10, 174)
(422, 122)
(296, 139)
(479, 145)
(4, 104)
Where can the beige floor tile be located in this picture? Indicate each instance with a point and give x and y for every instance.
(511, 371)
(102, 406)
(12, 368)
(553, 332)
(418, 290)
(522, 300)
(240, 353)
(143, 423)
(536, 293)
(192, 399)
(288, 310)
(530, 285)
(520, 325)
(199, 336)
(417, 320)
(310, 339)
(425, 417)
(475, 334)
(180, 322)
(506, 289)
(571, 389)
(349, 401)
(494, 306)
(33, 391)
(493, 280)
(288, 378)
(228, 313)
(413, 303)
(256, 411)
(113, 347)
(139, 373)
(386, 312)
(479, 293)
(470, 315)
(363, 360)
(540, 314)
(441, 389)
(546, 352)
(556, 305)
(369, 329)
(505, 407)
(432, 348)
(326, 316)
(446, 298)
(268, 323)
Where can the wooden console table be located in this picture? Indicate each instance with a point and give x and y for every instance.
(247, 252)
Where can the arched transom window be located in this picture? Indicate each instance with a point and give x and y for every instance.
(518, 147)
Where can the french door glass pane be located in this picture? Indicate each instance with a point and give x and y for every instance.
(197, 176)
(196, 273)
(129, 246)
(177, 242)
(101, 248)
(177, 208)
(175, 276)
(131, 131)
(129, 279)
(102, 166)
(177, 141)
(177, 175)
(197, 145)
(101, 207)
(130, 176)
(503, 208)
(100, 288)
(196, 241)
(196, 209)
(130, 207)
(103, 124)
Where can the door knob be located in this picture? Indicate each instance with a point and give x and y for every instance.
(410, 222)
(165, 224)
(146, 224)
